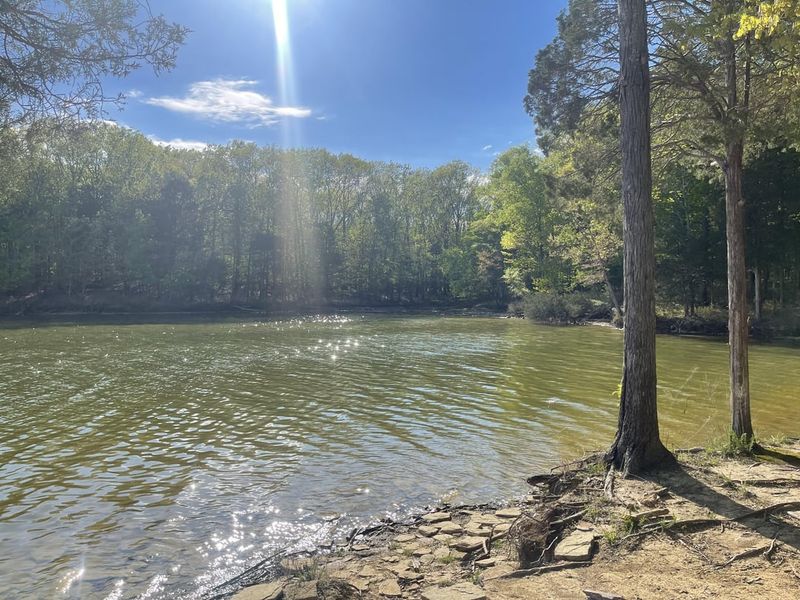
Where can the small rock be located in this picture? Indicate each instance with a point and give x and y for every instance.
(360, 548)
(468, 543)
(428, 530)
(459, 591)
(450, 528)
(391, 558)
(421, 551)
(404, 538)
(426, 559)
(409, 575)
(584, 526)
(443, 538)
(578, 545)
(511, 512)
(435, 517)
(441, 553)
(486, 562)
(262, 591)
(390, 588)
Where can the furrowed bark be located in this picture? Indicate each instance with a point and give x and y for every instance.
(637, 445)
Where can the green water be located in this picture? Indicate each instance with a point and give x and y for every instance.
(156, 460)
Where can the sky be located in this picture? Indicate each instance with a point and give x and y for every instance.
(420, 82)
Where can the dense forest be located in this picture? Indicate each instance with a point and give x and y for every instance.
(96, 216)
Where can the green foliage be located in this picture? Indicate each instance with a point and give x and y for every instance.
(97, 215)
(570, 307)
(737, 445)
(56, 54)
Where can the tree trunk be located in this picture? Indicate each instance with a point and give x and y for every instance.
(637, 445)
(757, 293)
(618, 315)
(737, 292)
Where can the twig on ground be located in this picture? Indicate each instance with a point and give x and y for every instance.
(542, 569)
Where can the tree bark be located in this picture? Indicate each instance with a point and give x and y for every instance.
(637, 445)
(737, 293)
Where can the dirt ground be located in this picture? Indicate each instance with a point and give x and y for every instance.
(711, 527)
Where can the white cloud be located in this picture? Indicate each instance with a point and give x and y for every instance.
(178, 143)
(134, 93)
(229, 101)
(487, 147)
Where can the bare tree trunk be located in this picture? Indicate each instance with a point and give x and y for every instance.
(637, 445)
(757, 301)
(737, 293)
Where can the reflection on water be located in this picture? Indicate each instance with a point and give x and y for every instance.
(157, 460)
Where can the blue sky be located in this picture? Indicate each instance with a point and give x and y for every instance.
(414, 81)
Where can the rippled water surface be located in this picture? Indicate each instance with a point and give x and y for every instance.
(156, 460)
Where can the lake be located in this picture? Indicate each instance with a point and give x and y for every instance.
(157, 460)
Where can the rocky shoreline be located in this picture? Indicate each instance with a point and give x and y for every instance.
(714, 526)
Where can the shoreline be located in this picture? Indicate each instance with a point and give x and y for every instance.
(712, 527)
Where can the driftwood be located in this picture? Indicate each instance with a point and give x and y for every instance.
(543, 569)
(761, 512)
(765, 550)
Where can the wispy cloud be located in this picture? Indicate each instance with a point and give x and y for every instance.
(229, 101)
(487, 147)
(178, 143)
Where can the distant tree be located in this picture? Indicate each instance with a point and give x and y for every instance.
(56, 54)
(637, 445)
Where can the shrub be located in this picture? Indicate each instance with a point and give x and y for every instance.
(572, 307)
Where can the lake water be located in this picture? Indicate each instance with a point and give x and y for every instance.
(157, 460)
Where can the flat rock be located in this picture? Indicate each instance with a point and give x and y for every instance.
(428, 530)
(361, 548)
(459, 591)
(302, 590)
(390, 588)
(435, 517)
(296, 565)
(512, 512)
(409, 575)
(473, 531)
(488, 519)
(421, 551)
(262, 591)
(486, 562)
(450, 528)
(404, 538)
(443, 538)
(467, 543)
(578, 545)
(426, 559)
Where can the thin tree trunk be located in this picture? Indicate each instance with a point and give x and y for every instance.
(737, 293)
(637, 445)
(613, 295)
(757, 293)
